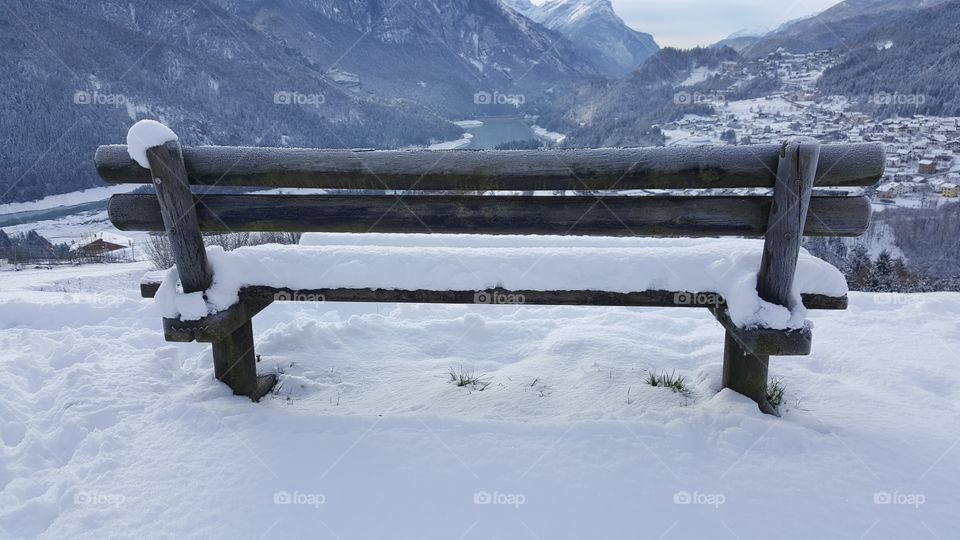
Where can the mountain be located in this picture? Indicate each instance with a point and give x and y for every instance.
(599, 33)
(627, 111)
(437, 52)
(326, 73)
(834, 27)
(742, 39)
(906, 66)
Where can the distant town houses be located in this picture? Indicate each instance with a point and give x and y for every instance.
(923, 152)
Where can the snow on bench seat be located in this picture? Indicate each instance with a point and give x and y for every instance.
(727, 266)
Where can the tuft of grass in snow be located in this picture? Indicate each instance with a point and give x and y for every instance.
(668, 380)
(775, 392)
(465, 378)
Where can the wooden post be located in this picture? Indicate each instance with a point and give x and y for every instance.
(234, 359)
(788, 215)
(744, 370)
(179, 216)
(235, 364)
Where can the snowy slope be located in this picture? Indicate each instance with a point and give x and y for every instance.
(107, 431)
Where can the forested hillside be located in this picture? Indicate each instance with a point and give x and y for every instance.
(836, 27)
(908, 66)
(627, 112)
(75, 78)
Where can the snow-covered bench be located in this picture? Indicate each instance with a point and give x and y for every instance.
(593, 248)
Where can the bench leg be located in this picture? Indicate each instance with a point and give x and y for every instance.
(235, 364)
(746, 373)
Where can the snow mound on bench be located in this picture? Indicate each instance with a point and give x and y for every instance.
(478, 262)
(143, 136)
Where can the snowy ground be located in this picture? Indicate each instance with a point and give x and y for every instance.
(66, 199)
(106, 430)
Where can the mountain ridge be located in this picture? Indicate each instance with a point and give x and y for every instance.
(596, 29)
(833, 27)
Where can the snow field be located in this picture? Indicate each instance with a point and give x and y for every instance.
(106, 430)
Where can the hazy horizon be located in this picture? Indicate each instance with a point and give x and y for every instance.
(688, 23)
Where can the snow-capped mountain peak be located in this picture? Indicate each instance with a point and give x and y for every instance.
(593, 25)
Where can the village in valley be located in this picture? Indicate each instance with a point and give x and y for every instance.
(923, 152)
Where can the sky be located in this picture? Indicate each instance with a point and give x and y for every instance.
(688, 23)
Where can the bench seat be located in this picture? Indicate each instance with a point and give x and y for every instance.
(519, 269)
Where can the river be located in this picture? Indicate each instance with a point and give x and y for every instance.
(498, 130)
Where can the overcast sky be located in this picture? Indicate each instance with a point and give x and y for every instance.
(688, 23)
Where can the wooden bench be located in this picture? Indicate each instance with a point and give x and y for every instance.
(793, 170)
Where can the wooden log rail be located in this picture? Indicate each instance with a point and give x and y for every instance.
(461, 214)
(752, 166)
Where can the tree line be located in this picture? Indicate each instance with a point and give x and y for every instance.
(31, 247)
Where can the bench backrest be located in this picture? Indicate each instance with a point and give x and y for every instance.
(457, 173)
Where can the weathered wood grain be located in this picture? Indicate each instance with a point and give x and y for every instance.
(746, 372)
(746, 354)
(765, 342)
(788, 216)
(235, 364)
(614, 216)
(175, 205)
(522, 170)
(212, 328)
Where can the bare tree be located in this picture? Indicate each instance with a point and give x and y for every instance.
(159, 252)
